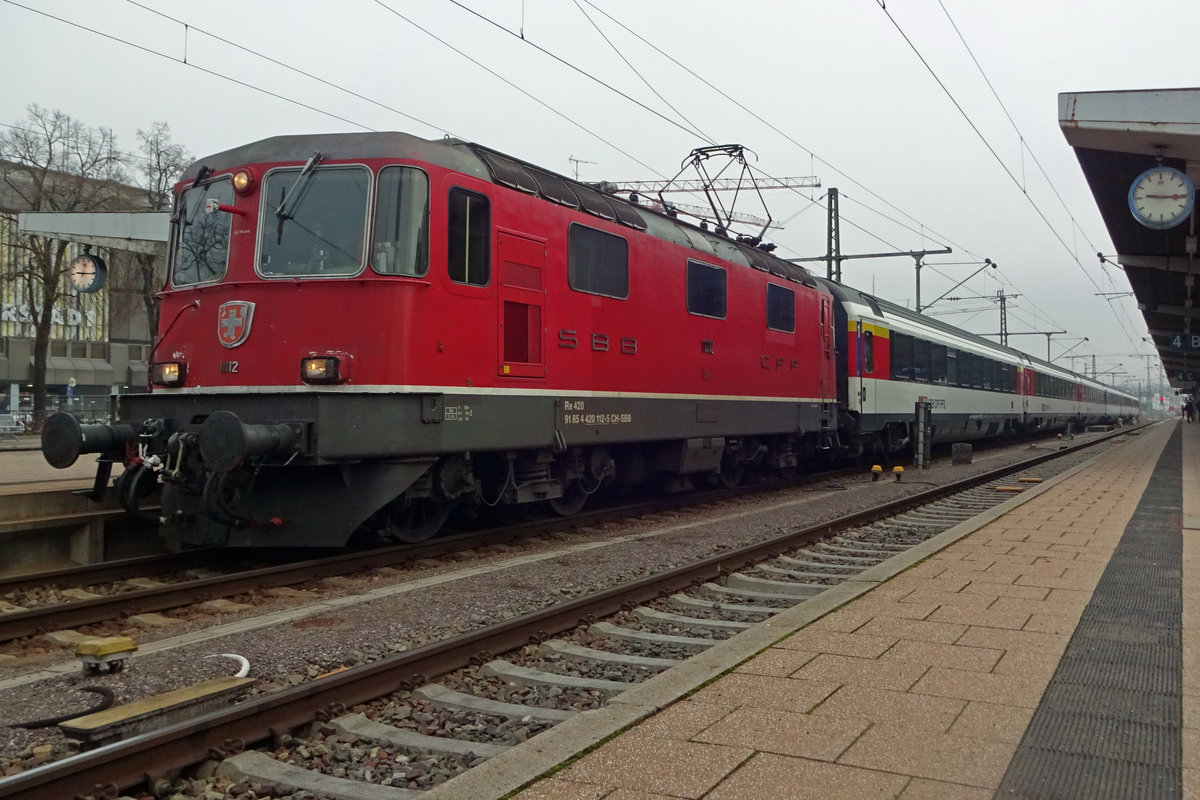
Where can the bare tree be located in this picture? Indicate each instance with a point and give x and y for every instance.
(165, 162)
(55, 163)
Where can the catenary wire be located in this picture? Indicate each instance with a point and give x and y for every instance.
(996, 156)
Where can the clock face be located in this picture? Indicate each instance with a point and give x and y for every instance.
(87, 273)
(1161, 197)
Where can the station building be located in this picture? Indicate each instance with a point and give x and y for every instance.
(100, 343)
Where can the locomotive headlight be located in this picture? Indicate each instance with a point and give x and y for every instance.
(324, 369)
(243, 181)
(169, 373)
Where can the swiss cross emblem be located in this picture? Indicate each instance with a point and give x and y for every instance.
(233, 322)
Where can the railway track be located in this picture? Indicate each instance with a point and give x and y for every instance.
(124, 588)
(564, 658)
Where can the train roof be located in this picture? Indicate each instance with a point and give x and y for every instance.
(886, 308)
(495, 167)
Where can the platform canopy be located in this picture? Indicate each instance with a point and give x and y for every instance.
(1117, 136)
(139, 232)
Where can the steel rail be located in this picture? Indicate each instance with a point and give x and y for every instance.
(103, 571)
(150, 756)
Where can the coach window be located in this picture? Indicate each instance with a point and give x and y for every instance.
(951, 366)
(469, 225)
(921, 360)
(597, 262)
(868, 355)
(705, 290)
(401, 244)
(902, 356)
(966, 369)
(937, 363)
(317, 224)
(781, 308)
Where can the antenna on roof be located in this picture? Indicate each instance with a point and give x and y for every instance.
(575, 162)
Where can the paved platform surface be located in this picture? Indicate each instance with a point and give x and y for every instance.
(933, 684)
(24, 471)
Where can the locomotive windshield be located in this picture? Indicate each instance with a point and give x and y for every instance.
(322, 229)
(202, 238)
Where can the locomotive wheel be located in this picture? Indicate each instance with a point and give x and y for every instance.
(572, 501)
(417, 520)
(731, 472)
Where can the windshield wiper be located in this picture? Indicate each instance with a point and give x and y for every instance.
(181, 212)
(283, 213)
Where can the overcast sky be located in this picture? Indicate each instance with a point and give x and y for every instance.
(827, 88)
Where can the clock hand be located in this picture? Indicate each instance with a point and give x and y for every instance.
(1165, 196)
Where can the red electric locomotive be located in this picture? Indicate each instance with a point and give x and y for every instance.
(362, 331)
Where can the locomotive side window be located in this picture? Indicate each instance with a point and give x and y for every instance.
(469, 221)
(705, 290)
(401, 243)
(781, 308)
(202, 239)
(597, 262)
(316, 224)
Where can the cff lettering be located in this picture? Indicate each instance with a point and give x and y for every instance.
(779, 363)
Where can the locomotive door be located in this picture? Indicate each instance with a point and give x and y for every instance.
(521, 295)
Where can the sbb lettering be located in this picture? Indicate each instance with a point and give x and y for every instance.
(600, 342)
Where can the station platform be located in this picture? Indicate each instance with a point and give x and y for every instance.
(1051, 651)
(23, 470)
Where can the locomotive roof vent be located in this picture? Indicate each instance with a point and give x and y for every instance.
(594, 202)
(507, 171)
(555, 188)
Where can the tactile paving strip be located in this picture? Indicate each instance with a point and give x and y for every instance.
(1110, 722)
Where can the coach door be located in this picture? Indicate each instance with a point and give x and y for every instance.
(828, 392)
(522, 263)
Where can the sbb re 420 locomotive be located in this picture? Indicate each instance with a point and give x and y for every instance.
(362, 332)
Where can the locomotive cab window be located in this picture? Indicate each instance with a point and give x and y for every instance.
(469, 224)
(315, 222)
(781, 309)
(401, 239)
(597, 262)
(201, 238)
(705, 290)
